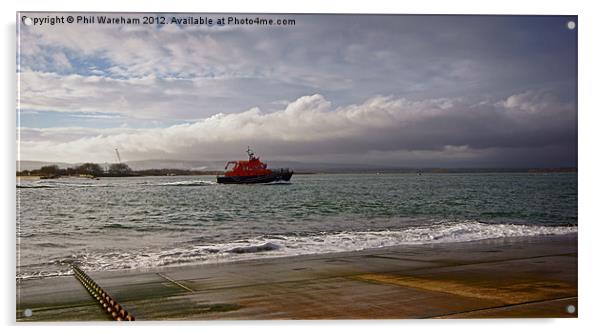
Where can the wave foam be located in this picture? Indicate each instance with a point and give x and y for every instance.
(190, 183)
(284, 245)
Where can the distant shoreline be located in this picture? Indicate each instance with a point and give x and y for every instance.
(21, 175)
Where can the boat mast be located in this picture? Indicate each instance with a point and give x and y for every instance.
(250, 153)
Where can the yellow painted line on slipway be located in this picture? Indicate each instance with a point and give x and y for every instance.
(510, 293)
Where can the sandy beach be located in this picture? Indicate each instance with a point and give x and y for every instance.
(511, 277)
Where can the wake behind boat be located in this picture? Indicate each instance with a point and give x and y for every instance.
(252, 171)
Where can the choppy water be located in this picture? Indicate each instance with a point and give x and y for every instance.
(117, 223)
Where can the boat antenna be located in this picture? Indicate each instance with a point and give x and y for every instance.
(250, 152)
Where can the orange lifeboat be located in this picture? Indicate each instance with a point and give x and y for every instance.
(253, 171)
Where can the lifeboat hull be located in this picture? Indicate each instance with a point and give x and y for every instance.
(272, 177)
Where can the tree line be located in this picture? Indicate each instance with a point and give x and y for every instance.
(87, 169)
(114, 170)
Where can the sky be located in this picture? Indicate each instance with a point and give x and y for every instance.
(387, 90)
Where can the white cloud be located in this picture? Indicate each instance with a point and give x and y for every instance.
(140, 51)
(355, 57)
(146, 97)
(531, 102)
(309, 125)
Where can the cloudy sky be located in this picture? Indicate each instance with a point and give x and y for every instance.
(407, 91)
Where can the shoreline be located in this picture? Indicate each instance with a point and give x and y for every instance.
(268, 257)
(461, 279)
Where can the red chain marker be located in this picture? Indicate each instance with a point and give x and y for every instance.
(110, 305)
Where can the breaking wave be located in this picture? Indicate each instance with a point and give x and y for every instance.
(255, 249)
(292, 245)
(191, 183)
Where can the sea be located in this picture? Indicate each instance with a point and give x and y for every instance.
(150, 222)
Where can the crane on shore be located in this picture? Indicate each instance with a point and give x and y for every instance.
(118, 156)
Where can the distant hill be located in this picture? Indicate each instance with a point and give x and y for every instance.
(219, 165)
(175, 164)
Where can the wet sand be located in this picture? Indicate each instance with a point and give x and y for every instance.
(512, 277)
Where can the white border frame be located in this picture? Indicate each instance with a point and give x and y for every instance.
(589, 163)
